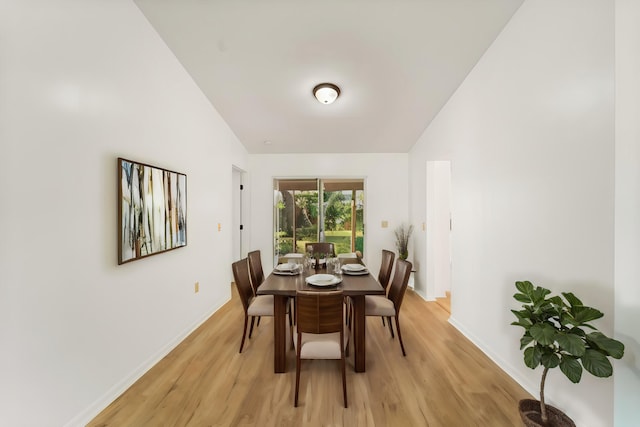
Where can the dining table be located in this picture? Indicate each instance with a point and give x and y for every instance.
(284, 286)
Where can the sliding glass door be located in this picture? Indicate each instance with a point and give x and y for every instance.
(296, 215)
(318, 210)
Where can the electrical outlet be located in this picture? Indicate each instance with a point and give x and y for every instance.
(196, 287)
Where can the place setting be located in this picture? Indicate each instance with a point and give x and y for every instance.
(355, 269)
(288, 269)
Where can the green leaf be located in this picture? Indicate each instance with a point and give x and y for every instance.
(571, 368)
(543, 333)
(566, 318)
(525, 341)
(522, 315)
(550, 360)
(539, 294)
(525, 287)
(597, 363)
(522, 298)
(609, 346)
(571, 343)
(585, 314)
(532, 357)
(572, 299)
(557, 301)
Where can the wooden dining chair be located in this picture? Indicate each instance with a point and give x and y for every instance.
(384, 275)
(253, 305)
(256, 272)
(320, 331)
(386, 266)
(389, 306)
(255, 269)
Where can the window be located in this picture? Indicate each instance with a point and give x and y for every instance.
(318, 210)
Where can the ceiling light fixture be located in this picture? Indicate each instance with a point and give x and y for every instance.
(326, 93)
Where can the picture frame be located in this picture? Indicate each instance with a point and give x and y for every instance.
(152, 210)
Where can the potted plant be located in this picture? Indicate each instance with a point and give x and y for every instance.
(556, 335)
(403, 232)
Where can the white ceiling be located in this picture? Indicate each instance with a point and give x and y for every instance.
(396, 63)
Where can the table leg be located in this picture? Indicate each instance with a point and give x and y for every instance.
(279, 333)
(359, 332)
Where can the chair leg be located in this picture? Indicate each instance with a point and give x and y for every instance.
(344, 381)
(251, 329)
(388, 323)
(382, 318)
(400, 336)
(290, 333)
(346, 348)
(347, 317)
(258, 324)
(290, 313)
(244, 333)
(298, 361)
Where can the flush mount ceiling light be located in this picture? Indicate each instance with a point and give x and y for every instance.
(326, 93)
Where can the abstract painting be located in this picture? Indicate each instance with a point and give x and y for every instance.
(152, 206)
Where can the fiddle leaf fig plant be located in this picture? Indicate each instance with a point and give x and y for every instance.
(557, 333)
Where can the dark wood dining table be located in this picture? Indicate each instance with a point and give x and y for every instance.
(283, 287)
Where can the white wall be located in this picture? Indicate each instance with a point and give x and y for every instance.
(627, 248)
(530, 136)
(82, 83)
(386, 192)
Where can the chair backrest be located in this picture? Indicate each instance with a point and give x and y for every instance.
(321, 247)
(399, 283)
(386, 266)
(243, 281)
(255, 269)
(319, 312)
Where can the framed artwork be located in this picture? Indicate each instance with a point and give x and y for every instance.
(152, 210)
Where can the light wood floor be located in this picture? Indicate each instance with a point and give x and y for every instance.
(445, 302)
(443, 381)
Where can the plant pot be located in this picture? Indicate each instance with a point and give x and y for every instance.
(531, 416)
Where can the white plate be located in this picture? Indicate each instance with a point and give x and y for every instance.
(286, 273)
(323, 280)
(286, 267)
(355, 273)
(353, 267)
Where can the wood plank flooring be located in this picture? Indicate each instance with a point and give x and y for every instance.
(445, 302)
(443, 381)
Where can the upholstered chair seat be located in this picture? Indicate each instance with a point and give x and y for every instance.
(321, 346)
(378, 305)
(261, 305)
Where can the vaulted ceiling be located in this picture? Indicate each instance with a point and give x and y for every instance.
(396, 63)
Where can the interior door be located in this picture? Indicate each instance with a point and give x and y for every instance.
(237, 219)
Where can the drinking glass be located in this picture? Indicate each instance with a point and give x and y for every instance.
(337, 268)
